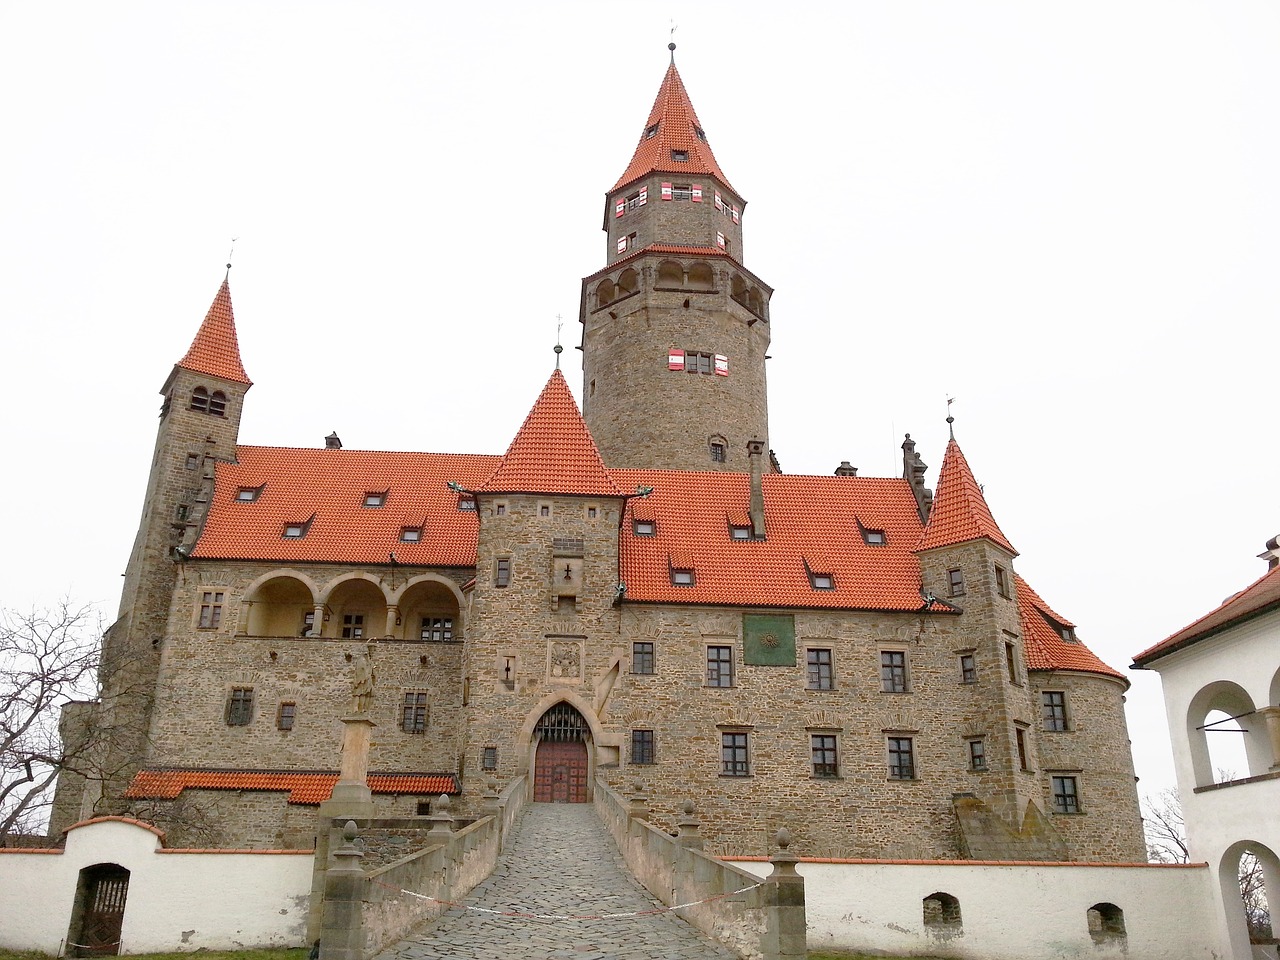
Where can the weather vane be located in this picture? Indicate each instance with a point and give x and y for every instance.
(672, 45)
(950, 419)
(231, 251)
(559, 349)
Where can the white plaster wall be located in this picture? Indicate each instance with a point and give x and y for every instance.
(1009, 912)
(176, 901)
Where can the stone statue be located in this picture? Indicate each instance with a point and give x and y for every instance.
(362, 683)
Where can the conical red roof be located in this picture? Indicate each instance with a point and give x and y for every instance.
(678, 129)
(960, 512)
(553, 452)
(215, 350)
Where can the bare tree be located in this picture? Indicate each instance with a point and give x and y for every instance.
(48, 658)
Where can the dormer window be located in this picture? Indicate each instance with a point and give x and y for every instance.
(873, 538)
(644, 528)
(680, 156)
(295, 531)
(681, 578)
(375, 498)
(739, 533)
(822, 581)
(697, 132)
(410, 534)
(651, 132)
(248, 494)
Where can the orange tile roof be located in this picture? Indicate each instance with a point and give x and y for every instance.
(329, 486)
(305, 787)
(960, 512)
(215, 350)
(692, 513)
(1045, 648)
(677, 130)
(1261, 596)
(553, 452)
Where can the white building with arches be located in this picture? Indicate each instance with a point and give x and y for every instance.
(1221, 676)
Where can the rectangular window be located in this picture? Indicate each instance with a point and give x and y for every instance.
(740, 533)
(642, 746)
(375, 499)
(1020, 738)
(822, 747)
(240, 707)
(248, 494)
(437, 629)
(293, 531)
(193, 461)
(544, 510)
(698, 362)
(308, 624)
(977, 754)
(821, 581)
(1011, 661)
(717, 452)
(1002, 581)
(489, 758)
(719, 666)
(410, 534)
(820, 676)
(466, 503)
(874, 538)
(502, 572)
(414, 717)
(643, 528)
(893, 671)
(1054, 703)
(955, 580)
(681, 578)
(902, 759)
(210, 610)
(734, 761)
(681, 192)
(352, 626)
(968, 668)
(642, 657)
(1066, 798)
(285, 716)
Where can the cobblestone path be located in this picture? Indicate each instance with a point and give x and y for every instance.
(561, 862)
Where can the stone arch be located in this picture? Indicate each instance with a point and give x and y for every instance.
(670, 274)
(1106, 923)
(700, 276)
(355, 607)
(200, 399)
(561, 751)
(755, 302)
(941, 913)
(281, 603)
(1231, 699)
(398, 594)
(628, 282)
(604, 293)
(1231, 890)
(428, 607)
(218, 403)
(1273, 697)
(738, 288)
(524, 736)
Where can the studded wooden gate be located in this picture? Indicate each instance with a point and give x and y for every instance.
(560, 767)
(106, 888)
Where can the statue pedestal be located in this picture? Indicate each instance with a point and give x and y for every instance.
(351, 796)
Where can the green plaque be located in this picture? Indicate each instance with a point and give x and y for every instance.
(769, 640)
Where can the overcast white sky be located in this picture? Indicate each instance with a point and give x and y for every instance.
(1065, 215)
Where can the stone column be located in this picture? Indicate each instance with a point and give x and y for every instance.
(393, 614)
(688, 836)
(351, 795)
(342, 934)
(1271, 715)
(785, 934)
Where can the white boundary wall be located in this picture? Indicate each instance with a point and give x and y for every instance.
(177, 899)
(1009, 911)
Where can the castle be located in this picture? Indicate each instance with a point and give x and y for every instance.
(633, 591)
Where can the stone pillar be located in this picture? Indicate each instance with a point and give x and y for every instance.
(638, 807)
(441, 820)
(393, 618)
(1271, 715)
(342, 934)
(688, 824)
(317, 622)
(785, 933)
(351, 796)
(491, 806)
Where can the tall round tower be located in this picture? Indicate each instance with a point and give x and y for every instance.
(675, 328)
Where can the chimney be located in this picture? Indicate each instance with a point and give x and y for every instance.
(846, 469)
(333, 441)
(913, 469)
(755, 457)
(1272, 553)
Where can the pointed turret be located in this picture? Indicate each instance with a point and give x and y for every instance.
(215, 349)
(960, 512)
(553, 452)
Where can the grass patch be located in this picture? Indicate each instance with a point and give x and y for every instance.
(297, 953)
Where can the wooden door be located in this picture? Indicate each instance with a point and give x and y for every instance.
(560, 772)
(106, 889)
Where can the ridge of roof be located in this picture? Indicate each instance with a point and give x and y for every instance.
(1255, 598)
(553, 451)
(960, 512)
(1044, 647)
(678, 128)
(215, 349)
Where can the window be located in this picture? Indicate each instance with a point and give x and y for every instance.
(822, 747)
(740, 533)
(893, 671)
(218, 403)
(502, 572)
(210, 610)
(308, 624)
(248, 494)
(698, 362)
(410, 534)
(644, 528)
(642, 657)
(1011, 661)
(719, 666)
(499, 509)
(375, 499)
(240, 707)
(955, 580)
(874, 538)
(1106, 923)
(821, 581)
(1002, 581)
(466, 503)
(977, 754)
(642, 746)
(717, 452)
(1054, 704)
(544, 510)
(414, 716)
(681, 578)
(734, 761)
(438, 629)
(1066, 798)
(968, 668)
(181, 513)
(1020, 738)
(592, 513)
(820, 676)
(200, 399)
(293, 531)
(902, 761)
(352, 626)
(681, 192)
(193, 461)
(651, 132)
(697, 132)
(489, 758)
(680, 156)
(285, 715)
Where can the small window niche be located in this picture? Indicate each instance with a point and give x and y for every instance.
(942, 914)
(1106, 923)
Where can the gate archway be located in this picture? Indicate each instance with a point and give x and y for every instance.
(561, 764)
(98, 915)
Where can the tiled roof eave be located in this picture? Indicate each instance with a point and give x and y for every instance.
(1149, 656)
(786, 606)
(1109, 673)
(616, 495)
(1007, 547)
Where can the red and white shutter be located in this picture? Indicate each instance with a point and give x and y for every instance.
(719, 202)
(735, 214)
(722, 365)
(666, 191)
(622, 244)
(620, 208)
(719, 239)
(675, 359)
(643, 198)
(696, 193)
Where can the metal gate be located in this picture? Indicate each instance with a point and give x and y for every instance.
(560, 767)
(106, 888)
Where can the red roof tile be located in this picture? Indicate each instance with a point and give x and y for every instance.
(215, 350)
(1045, 647)
(329, 485)
(692, 512)
(678, 128)
(305, 787)
(1259, 597)
(960, 512)
(553, 452)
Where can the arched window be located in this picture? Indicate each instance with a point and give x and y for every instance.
(604, 293)
(701, 276)
(670, 274)
(200, 399)
(1106, 923)
(628, 282)
(941, 912)
(218, 403)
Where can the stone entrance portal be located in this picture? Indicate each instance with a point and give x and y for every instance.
(561, 766)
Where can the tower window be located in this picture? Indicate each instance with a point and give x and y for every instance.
(717, 452)
(285, 715)
(698, 362)
(1020, 740)
(193, 460)
(1002, 581)
(697, 132)
(651, 132)
(955, 580)
(681, 192)
(680, 156)
(218, 403)
(200, 399)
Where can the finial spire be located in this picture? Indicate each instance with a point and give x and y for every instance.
(672, 45)
(950, 419)
(229, 255)
(558, 349)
